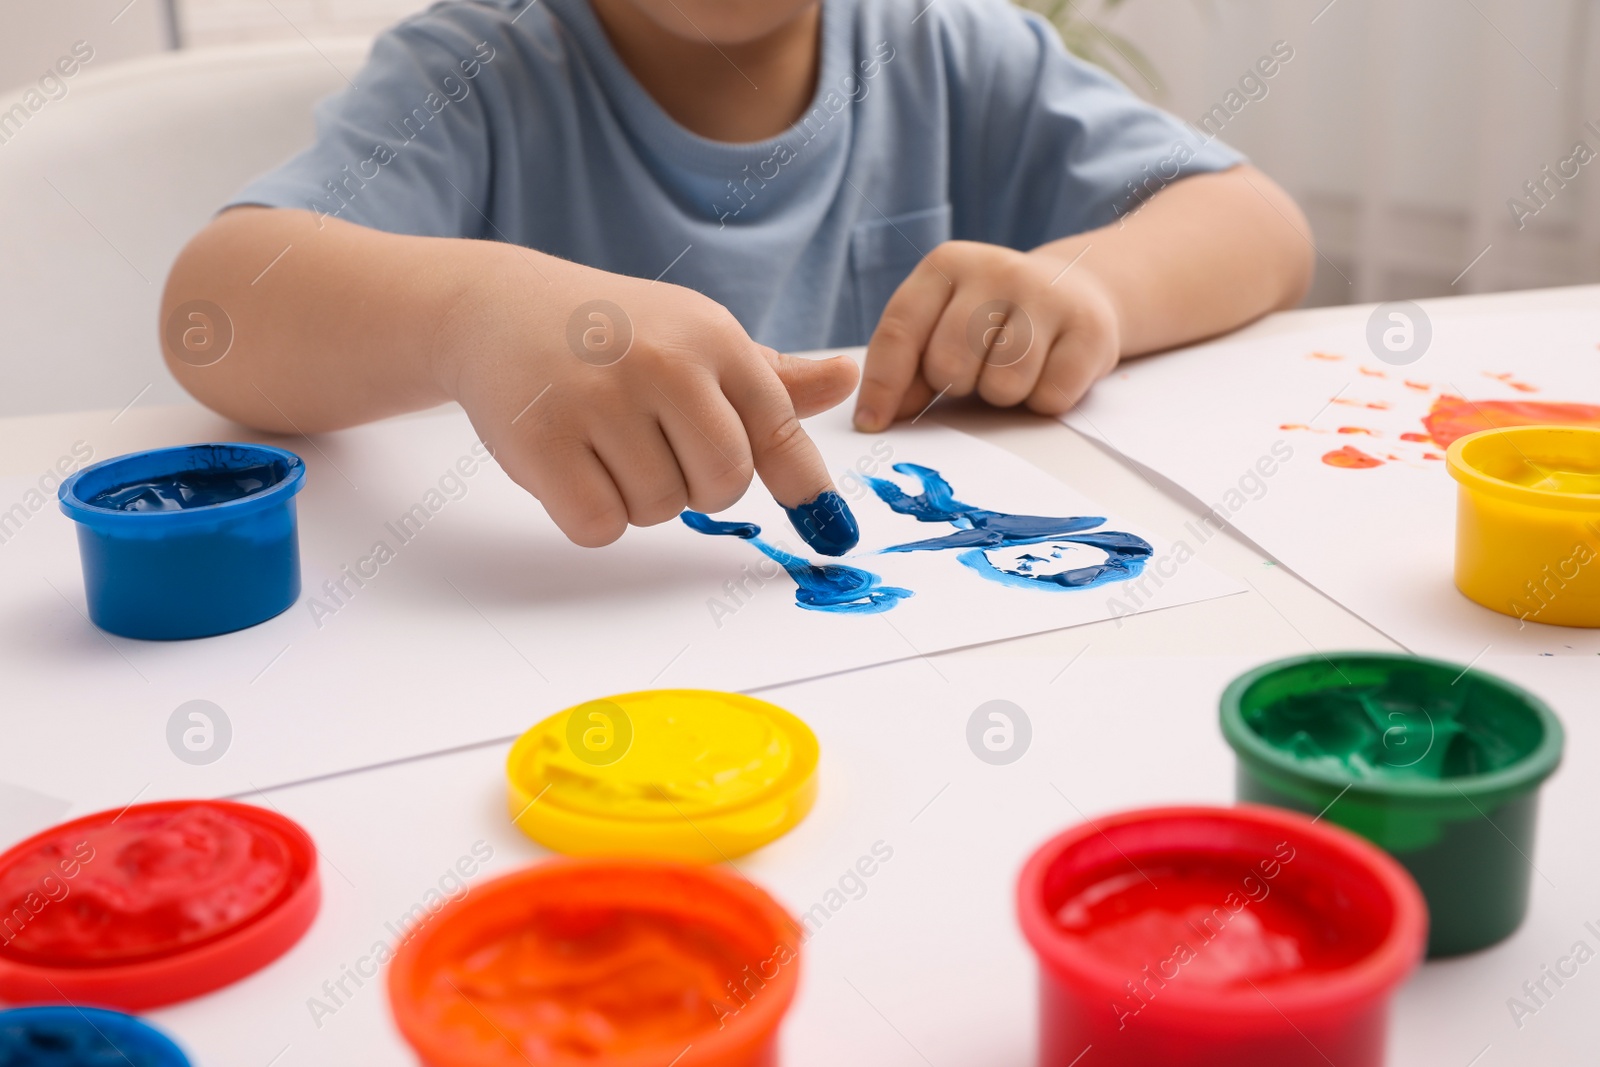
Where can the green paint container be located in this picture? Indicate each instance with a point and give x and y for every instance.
(1438, 764)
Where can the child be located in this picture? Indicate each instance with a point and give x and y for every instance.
(599, 224)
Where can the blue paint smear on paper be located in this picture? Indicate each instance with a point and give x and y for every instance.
(832, 587)
(980, 532)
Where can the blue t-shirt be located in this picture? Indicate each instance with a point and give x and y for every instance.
(957, 119)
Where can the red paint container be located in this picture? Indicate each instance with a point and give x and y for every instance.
(577, 962)
(152, 904)
(1195, 936)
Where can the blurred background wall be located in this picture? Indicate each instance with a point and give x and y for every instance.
(1409, 129)
(35, 33)
(1406, 128)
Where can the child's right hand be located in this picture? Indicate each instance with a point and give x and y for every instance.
(616, 400)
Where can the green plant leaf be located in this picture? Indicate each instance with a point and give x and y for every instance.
(1083, 33)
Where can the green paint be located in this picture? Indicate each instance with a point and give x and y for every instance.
(1402, 724)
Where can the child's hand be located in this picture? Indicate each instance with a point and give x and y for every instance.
(1014, 327)
(616, 400)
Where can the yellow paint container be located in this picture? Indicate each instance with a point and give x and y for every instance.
(1528, 522)
(691, 775)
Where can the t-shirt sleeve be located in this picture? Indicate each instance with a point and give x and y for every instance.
(1053, 146)
(406, 148)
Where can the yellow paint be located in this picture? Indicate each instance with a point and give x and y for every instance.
(1556, 480)
(684, 774)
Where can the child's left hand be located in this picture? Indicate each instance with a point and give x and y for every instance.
(1034, 328)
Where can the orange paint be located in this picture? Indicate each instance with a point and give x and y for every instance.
(1370, 373)
(1294, 426)
(1329, 356)
(1357, 429)
(1419, 437)
(599, 961)
(1350, 458)
(1424, 386)
(1452, 417)
(1509, 379)
(590, 983)
(1431, 455)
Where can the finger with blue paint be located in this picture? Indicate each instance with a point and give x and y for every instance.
(771, 399)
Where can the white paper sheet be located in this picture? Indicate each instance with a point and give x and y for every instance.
(486, 619)
(1244, 426)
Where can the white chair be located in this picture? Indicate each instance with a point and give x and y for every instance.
(102, 188)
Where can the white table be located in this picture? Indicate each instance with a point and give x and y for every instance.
(926, 967)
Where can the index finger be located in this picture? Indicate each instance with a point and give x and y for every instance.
(894, 353)
(785, 457)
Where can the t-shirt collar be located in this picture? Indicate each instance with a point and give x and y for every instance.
(645, 119)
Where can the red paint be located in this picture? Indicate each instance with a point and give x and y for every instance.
(155, 883)
(1214, 921)
(154, 903)
(1351, 458)
(1265, 938)
(1452, 417)
(1357, 429)
(601, 961)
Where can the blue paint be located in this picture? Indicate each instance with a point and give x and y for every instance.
(62, 1036)
(982, 532)
(189, 489)
(832, 587)
(826, 524)
(188, 541)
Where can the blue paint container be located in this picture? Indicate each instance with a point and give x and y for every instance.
(187, 541)
(65, 1036)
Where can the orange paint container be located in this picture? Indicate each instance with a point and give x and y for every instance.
(588, 962)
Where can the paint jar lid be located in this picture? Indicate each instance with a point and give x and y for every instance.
(63, 1036)
(153, 904)
(1535, 466)
(582, 961)
(683, 774)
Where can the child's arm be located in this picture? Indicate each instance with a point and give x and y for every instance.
(1203, 256)
(335, 324)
